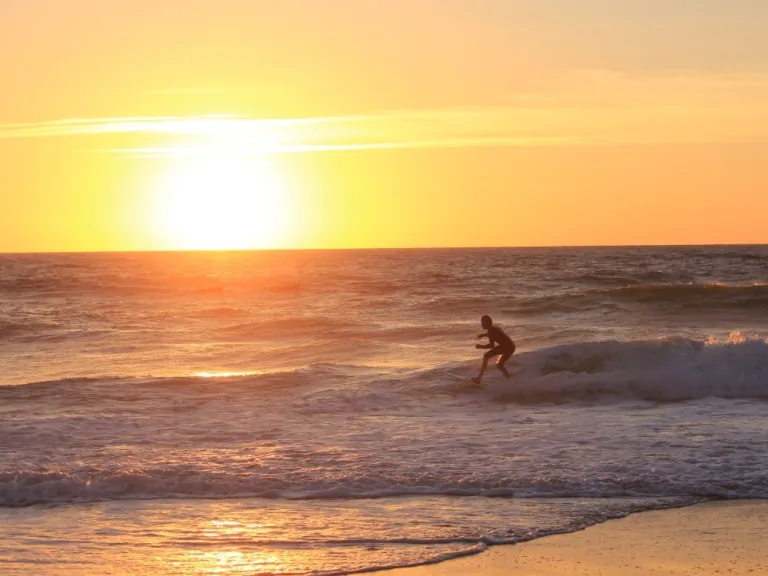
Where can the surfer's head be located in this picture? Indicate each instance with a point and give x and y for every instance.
(486, 322)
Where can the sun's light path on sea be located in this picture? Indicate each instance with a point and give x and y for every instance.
(227, 374)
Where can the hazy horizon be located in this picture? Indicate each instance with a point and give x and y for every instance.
(383, 248)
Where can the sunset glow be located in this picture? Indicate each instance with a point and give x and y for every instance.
(220, 201)
(346, 124)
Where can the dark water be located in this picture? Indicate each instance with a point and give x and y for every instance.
(162, 314)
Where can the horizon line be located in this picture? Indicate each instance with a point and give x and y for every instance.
(382, 248)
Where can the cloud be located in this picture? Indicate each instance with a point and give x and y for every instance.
(262, 89)
(588, 107)
(186, 91)
(178, 125)
(385, 130)
(207, 152)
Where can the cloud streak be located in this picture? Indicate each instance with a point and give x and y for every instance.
(591, 108)
(205, 152)
(409, 129)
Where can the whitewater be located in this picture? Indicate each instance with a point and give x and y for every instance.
(297, 412)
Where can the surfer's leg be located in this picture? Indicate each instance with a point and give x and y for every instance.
(500, 364)
(479, 378)
(505, 355)
(486, 357)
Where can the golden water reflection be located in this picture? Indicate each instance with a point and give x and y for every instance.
(235, 562)
(224, 374)
(184, 537)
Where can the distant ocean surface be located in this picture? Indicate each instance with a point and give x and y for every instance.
(296, 412)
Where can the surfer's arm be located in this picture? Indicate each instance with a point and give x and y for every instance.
(488, 346)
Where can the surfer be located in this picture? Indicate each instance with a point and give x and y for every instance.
(499, 345)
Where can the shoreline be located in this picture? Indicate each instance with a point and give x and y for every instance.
(720, 537)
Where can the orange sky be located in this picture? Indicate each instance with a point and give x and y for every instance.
(137, 124)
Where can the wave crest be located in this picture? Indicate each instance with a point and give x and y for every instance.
(665, 370)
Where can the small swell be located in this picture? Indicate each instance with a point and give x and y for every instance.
(10, 329)
(623, 278)
(90, 484)
(696, 295)
(308, 325)
(675, 297)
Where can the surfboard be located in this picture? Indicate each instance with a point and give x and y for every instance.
(465, 379)
(515, 371)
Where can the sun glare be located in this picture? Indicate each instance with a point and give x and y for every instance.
(221, 200)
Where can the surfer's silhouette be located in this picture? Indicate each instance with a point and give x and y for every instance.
(499, 345)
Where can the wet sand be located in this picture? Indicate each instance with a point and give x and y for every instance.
(715, 538)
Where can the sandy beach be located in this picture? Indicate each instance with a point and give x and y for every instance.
(707, 539)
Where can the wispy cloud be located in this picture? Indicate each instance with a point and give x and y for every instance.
(386, 130)
(596, 108)
(201, 91)
(207, 152)
(186, 91)
(173, 125)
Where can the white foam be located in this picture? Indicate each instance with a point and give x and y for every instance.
(670, 369)
(582, 420)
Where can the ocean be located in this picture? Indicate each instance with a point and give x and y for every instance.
(311, 411)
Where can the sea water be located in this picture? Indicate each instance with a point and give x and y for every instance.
(296, 412)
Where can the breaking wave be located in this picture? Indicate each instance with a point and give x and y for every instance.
(665, 370)
(91, 484)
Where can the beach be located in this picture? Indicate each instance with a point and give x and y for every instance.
(714, 538)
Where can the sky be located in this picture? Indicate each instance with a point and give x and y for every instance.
(197, 124)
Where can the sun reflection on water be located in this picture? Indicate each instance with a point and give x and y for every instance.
(228, 374)
(235, 562)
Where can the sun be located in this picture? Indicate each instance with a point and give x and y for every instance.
(221, 200)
